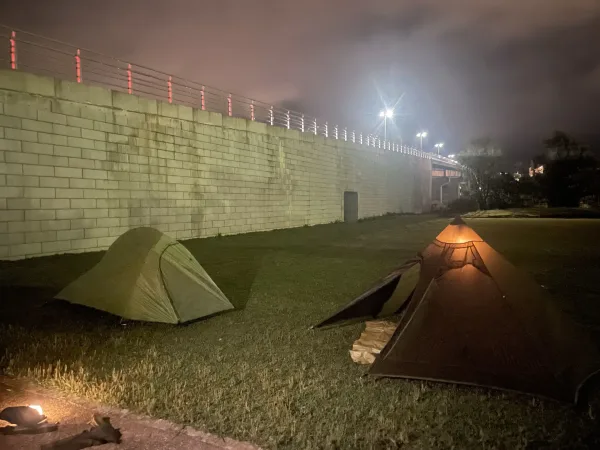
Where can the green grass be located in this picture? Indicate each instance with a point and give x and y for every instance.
(259, 373)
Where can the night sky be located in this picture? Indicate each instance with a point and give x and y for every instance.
(512, 70)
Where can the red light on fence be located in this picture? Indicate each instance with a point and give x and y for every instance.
(129, 86)
(78, 66)
(13, 51)
(170, 88)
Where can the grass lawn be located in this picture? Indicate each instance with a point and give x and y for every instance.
(259, 373)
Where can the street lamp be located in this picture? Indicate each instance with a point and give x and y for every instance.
(386, 114)
(421, 135)
(439, 145)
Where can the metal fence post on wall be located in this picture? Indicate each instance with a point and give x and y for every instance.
(353, 136)
(202, 100)
(302, 123)
(252, 110)
(271, 118)
(287, 120)
(326, 130)
(315, 125)
(345, 134)
(129, 85)
(335, 131)
(170, 90)
(78, 65)
(229, 108)
(360, 136)
(13, 50)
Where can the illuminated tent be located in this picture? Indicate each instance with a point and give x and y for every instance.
(475, 319)
(386, 298)
(146, 275)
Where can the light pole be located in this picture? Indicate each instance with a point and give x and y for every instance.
(421, 135)
(439, 145)
(386, 114)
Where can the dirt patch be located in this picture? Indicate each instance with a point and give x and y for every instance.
(139, 432)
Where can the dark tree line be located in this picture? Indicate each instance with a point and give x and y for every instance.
(571, 174)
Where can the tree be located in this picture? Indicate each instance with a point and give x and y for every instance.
(561, 145)
(482, 160)
(530, 191)
(505, 192)
(570, 171)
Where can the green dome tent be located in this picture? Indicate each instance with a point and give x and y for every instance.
(146, 275)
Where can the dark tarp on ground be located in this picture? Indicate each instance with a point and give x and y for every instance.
(146, 275)
(384, 299)
(475, 319)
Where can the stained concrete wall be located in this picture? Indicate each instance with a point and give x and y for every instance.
(79, 165)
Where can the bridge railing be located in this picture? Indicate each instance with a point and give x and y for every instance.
(37, 54)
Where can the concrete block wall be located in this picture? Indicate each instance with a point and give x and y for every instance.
(80, 165)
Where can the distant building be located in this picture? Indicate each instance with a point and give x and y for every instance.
(533, 170)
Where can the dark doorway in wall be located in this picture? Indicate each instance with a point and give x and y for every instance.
(350, 206)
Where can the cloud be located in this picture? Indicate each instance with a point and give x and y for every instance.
(465, 67)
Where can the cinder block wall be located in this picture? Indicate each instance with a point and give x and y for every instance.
(80, 164)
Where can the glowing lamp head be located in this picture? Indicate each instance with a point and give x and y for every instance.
(458, 232)
(389, 113)
(38, 408)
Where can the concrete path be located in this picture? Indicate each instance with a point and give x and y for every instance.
(139, 433)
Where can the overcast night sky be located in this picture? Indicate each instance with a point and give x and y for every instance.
(512, 70)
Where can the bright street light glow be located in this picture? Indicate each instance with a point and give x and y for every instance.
(422, 134)
(439, 145)
(388, 113)
(451, 156)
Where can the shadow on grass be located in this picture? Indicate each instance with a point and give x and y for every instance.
(36, 308)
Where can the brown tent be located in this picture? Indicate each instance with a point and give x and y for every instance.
(475, 319)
